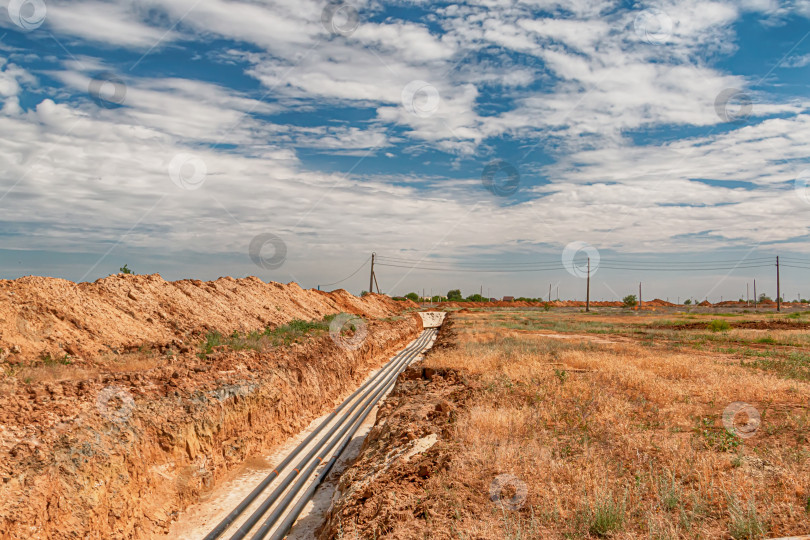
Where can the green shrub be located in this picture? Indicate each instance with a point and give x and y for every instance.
(719, 326)
(607, 516)
(630, 300)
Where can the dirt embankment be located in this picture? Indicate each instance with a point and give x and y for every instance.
(94, 452)
(382, 495)
(46, 316)
(556, 303)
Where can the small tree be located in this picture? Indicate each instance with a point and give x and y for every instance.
(630, 300)
(412, 296)
(687, 302)
(454, 295)
(125, 270)
(476, 298)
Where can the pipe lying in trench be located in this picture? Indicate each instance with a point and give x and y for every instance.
(293, 514)
(352, 425)
(401, 361)
(384, 377)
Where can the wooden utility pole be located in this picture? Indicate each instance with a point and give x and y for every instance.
(549, 292)
(588, 288)
(747, 298)
(639, 295)
(778, 289)
(371, 276)
(755, 293)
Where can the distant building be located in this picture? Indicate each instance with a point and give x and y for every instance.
(493, 299)
(508, 298)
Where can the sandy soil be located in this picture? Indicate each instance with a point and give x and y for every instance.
(199, 519)
(116, 440)
(45, 316)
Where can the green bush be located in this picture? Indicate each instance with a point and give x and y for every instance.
(412, 296)
(630, 300)
(719, 326)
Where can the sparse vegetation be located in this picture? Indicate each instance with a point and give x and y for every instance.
(719, 326)
(630, 300)
(594, 410)
(283, 335)
(125, 270)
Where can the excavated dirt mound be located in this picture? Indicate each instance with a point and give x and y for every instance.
(555, 303)
(116, 446)
(44, 316)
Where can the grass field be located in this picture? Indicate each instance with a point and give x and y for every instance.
(612, 424)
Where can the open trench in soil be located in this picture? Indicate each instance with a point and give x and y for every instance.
(95, 450)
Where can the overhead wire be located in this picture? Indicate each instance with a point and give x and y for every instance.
(348, 277)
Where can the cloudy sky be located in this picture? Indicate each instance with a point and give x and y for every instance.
(487, 143)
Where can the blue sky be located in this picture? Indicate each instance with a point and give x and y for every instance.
(168, 135)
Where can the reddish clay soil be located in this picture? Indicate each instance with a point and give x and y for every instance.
(779, 324)
(382, 495)
(121, 313)
(116, 445)
(556, 303)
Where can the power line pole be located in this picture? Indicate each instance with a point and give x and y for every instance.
(778, 290)
(549, 292)
(588, 288)
(371, 276)
(639, 296)
(747, 298)
(755, 293)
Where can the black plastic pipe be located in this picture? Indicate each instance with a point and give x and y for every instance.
(393, 368)
(253, 495)
(293, 492)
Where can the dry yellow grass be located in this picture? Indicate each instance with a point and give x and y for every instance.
(622, 440)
